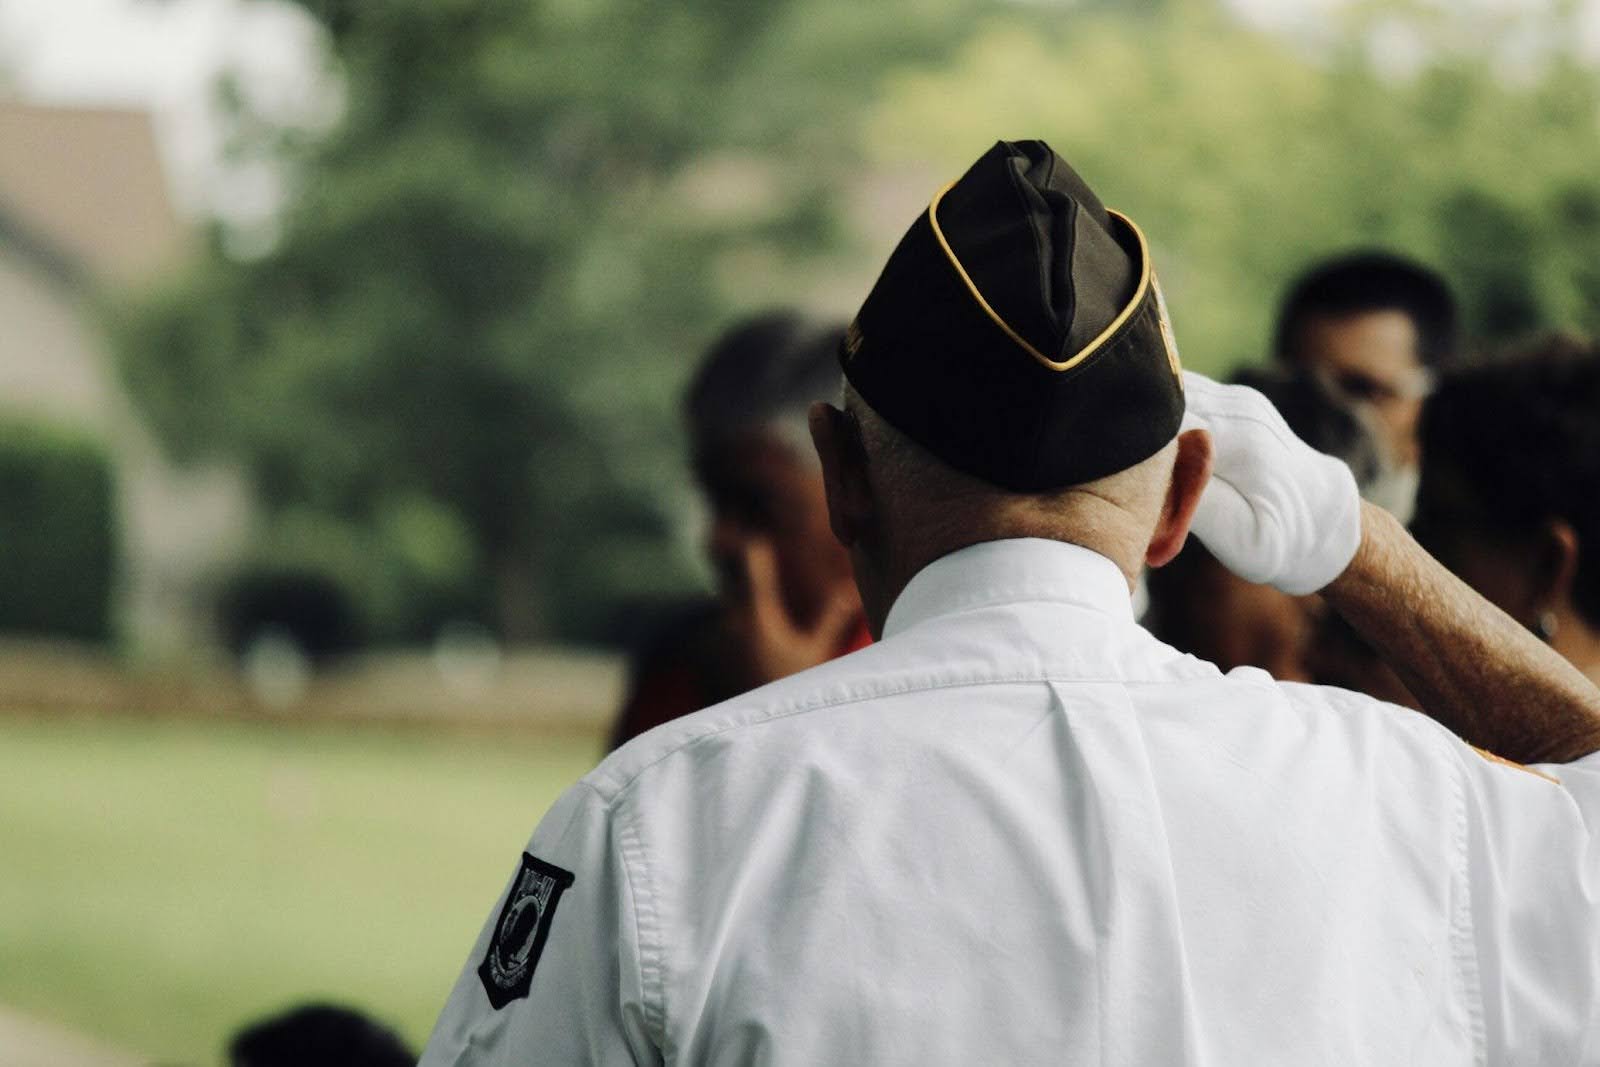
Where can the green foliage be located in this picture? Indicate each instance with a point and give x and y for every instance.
(491, 281)
(57, 533)
(499, 266)
(1246, 156)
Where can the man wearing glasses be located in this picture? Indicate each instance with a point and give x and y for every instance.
(1374, 329)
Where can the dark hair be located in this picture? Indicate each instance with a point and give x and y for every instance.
(762, 370)
(1517, 443)
(1372, 281)
(319, 1035)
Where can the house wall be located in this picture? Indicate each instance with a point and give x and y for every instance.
(179, 528)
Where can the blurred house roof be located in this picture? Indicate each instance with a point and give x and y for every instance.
(83, 193)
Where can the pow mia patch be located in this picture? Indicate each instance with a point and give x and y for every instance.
(519, 936)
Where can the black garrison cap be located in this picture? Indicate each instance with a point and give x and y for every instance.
(1017, 331)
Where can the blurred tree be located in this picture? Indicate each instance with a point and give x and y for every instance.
(498, 265)
(495, 266)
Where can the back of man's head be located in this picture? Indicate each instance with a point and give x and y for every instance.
(927, 500)
(1011, 374)
(1368, 281)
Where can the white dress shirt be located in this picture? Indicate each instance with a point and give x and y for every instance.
(1021, 830)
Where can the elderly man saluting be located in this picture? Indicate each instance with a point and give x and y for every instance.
(1020, 830)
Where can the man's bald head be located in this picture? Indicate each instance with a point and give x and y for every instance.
(925, 499)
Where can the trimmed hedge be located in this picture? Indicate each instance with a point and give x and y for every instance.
(57, 533)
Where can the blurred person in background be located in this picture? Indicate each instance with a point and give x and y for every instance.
(319, 1035)
(785, 597)
(1510, 493)
(1375, 328)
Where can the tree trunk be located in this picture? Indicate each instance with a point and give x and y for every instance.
(519, 602)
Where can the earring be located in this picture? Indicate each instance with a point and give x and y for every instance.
(1545, 626)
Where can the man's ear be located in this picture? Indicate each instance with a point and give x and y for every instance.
(837, 438)
(1190, 473)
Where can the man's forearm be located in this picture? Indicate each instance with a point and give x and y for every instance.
(1470, 664)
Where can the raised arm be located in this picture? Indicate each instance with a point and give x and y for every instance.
(1469, 663)
(1279, 512)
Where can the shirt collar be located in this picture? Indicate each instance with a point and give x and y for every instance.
(1011, 571)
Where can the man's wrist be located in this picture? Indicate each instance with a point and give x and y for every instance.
(1381, 532)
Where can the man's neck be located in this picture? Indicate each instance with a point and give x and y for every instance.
(1092, 522)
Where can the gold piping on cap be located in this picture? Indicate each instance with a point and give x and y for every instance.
(1094, 345)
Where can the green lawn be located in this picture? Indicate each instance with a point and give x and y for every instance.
(162, 882)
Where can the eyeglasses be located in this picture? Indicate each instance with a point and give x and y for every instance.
(1357, 387)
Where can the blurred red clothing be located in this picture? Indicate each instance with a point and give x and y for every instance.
(692, 665)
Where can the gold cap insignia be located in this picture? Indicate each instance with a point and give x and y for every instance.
(852, 339)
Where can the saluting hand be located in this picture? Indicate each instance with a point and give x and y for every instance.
(1276, 510)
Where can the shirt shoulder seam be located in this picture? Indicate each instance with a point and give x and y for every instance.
(647, 927)
(610, 796)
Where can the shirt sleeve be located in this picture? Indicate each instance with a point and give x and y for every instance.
(554, 976)
(1533, 836)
